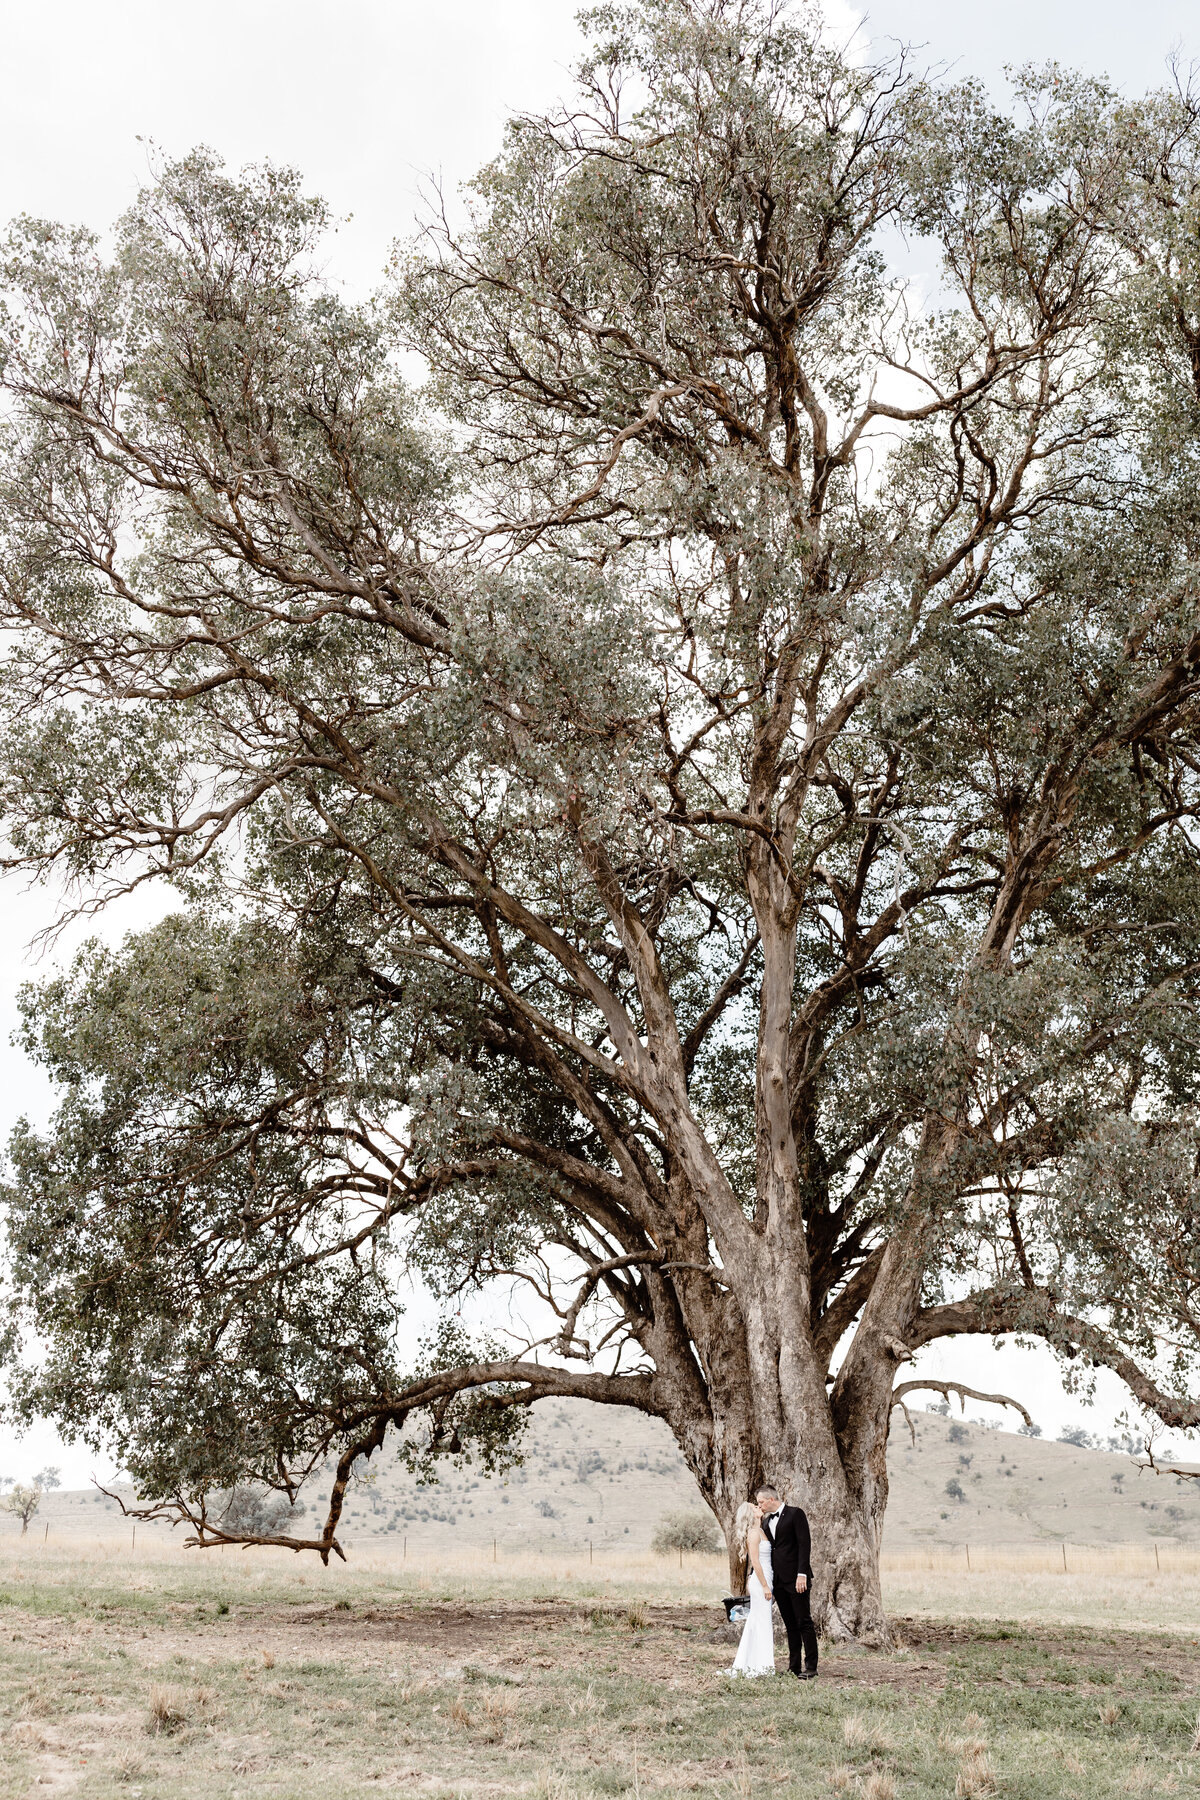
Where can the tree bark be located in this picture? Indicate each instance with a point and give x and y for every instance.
(847, 1595)
(782, 1431)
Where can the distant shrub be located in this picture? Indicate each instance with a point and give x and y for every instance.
(686, 1531)
(959, 1434)
(1030, 1431)
(1075, 1434)
(954, 1488)
(254, 1512)
(590, 1463)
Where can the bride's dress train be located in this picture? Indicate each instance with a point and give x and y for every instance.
(756, 1652)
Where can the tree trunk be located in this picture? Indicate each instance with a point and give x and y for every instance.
(847, 1599)
(813, 1470)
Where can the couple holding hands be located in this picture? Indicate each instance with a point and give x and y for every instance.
(776, 1542)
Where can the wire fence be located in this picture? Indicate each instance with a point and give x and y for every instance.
(410, 1550)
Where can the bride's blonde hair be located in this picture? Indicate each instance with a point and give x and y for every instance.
(746, 1516)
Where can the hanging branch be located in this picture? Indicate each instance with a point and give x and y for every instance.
(946, 1388)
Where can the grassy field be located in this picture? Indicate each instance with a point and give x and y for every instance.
(161, 1673)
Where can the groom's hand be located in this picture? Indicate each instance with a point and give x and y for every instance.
(801, 1583)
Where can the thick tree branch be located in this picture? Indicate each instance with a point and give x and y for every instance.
(996, 1311)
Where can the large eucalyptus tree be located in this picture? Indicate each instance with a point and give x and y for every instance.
(694, 810)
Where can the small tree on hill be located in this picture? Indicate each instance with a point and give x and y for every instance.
(686, 1531)
(698, 813)
(23, 1502)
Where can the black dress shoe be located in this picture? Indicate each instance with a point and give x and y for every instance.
(806, 1675)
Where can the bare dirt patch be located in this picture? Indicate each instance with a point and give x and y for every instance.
(670, 1642)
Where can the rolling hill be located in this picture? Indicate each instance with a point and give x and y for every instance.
(593, 1474)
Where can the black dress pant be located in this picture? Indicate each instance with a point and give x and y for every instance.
(796, 1612)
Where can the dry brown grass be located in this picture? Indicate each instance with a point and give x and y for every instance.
(865, 1735)
(1173, 1559)
(500, 1711)
(1118, 1587)
(27, 1733)
(167, 1711)
(856, 1733)
(128, 1766)
(976, 1778)
(1114, 1560)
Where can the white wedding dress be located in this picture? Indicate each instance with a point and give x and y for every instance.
(756, 1652)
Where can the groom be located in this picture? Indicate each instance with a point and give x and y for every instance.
(791, 1578)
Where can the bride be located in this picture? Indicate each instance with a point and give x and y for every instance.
(756, 1652)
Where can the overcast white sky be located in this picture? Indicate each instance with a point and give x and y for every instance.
(369, 98)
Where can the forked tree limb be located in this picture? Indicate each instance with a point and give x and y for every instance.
(844, 1308)
(946, 1388)
(179, 1510)
(639, 1259)
(1161, 1468)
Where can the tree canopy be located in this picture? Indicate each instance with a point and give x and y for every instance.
(692, 808)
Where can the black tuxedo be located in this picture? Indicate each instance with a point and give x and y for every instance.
(791, 1555)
